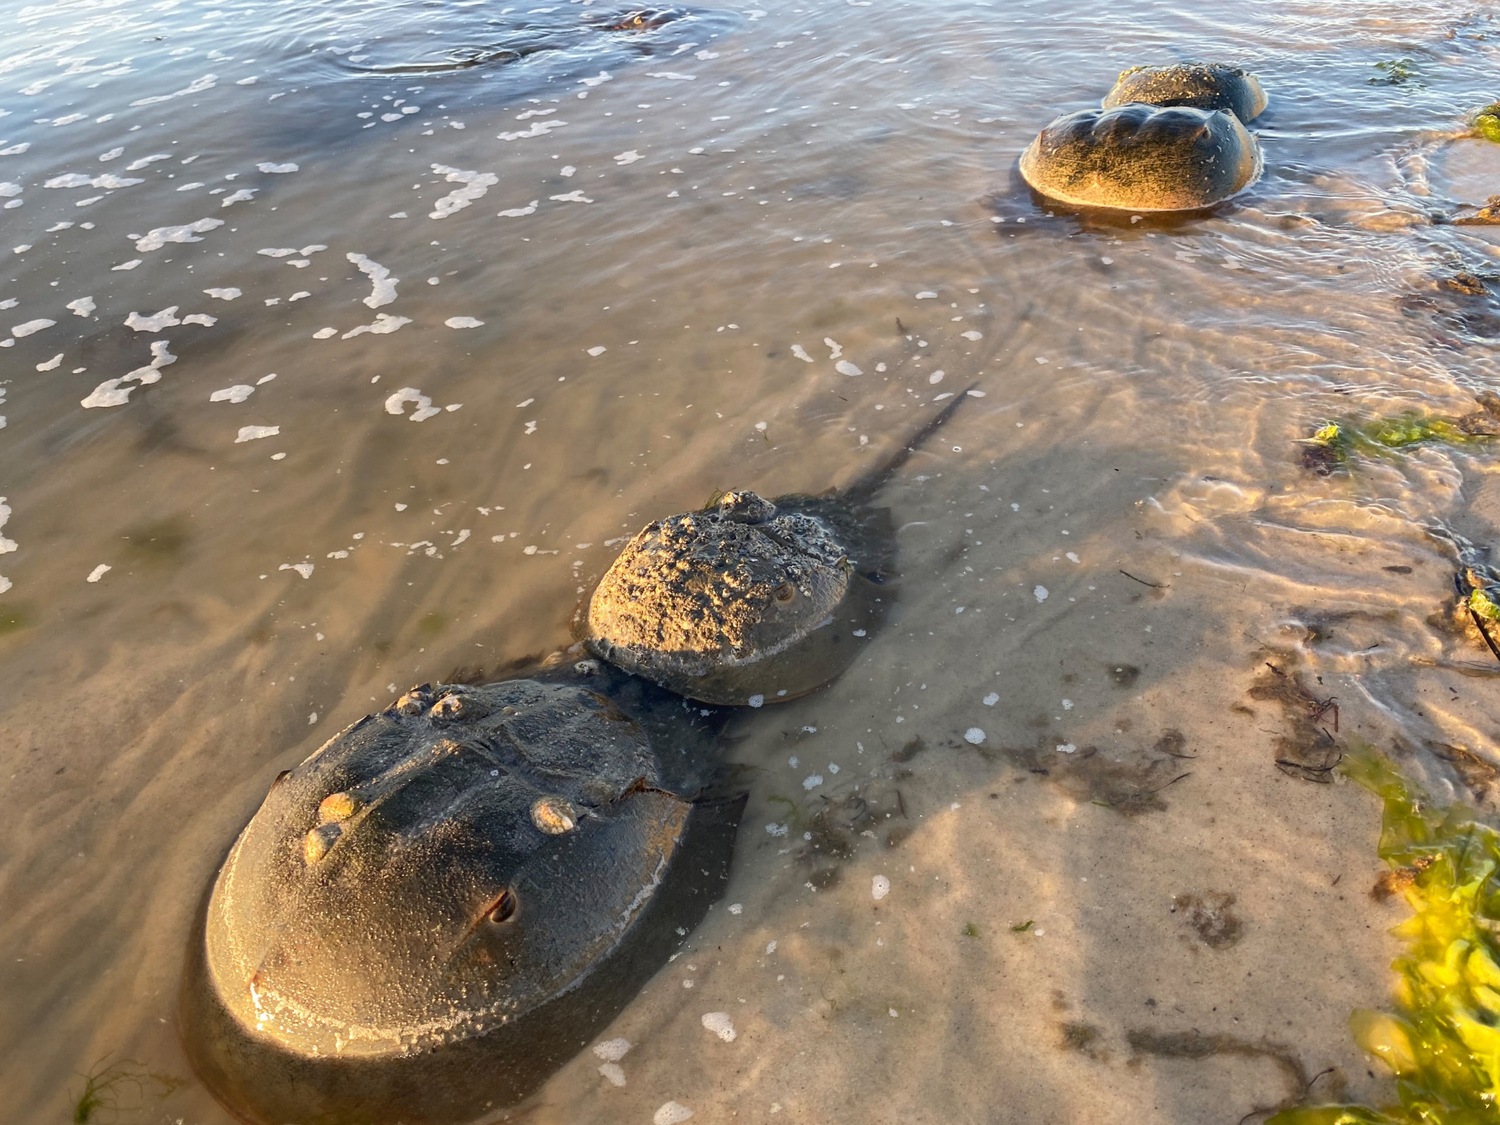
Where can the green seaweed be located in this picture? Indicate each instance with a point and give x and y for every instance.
(1487, 122)
(1333, 443)
(1398, 72)
(1482, 602)
(1022, 927)
(1444, 1042)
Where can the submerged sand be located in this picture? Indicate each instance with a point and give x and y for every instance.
(1065, 844)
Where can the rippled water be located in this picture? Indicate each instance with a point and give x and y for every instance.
(332, 363)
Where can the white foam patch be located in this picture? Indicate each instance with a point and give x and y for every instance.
(463, 322)
(572, 197)
(76, 179)
(880, 886)
(396, 404)
(613, 1073)
(156, 239)
(537, 129)
(974, 736)
(84, 306)
(325, 333)
(630, 157)
(671, 75)
(801, 353)
(238, 197)
(720, 1024)
(197, 86)
(303, 568)
(517, 212)
(228, 293)
(475, 185)
(16, 149)
(137, 165)
(612, 1050)
(31, 327)
(277, 169)
(598, 80)
(671, 1113)
(383, 325)
(51, 364)
(237, 393)
(844, 367)
(6, 545)
(8, 189)
(114, 392)
(99, 572)
(383, 284)
(1040, 593)
(167, 318)
(255, 433)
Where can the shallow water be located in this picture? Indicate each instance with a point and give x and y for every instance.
(753, 249)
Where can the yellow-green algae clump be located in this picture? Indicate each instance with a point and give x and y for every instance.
(1444, 1042)
(1487, 122)
(1334, 443)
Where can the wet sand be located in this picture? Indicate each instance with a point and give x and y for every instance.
(1123, 600)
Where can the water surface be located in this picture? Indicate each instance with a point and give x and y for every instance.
(331, 365)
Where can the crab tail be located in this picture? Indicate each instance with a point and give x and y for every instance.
(863, 489)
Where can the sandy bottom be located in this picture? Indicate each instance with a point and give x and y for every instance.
(1066, 843)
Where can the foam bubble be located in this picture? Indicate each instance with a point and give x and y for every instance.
(237, 393)
(382, 283)
(671, 1113)
(463, 322)
(156, 239)
(383, 325)
(255, 433)
(720, 1024)
(612, 1050)
(31, 327)
(475, 185)
(880, 886)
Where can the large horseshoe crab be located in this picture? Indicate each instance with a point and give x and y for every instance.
(443, 903)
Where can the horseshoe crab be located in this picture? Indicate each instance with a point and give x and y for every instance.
(749, 600)
(1139, 157)
(1207, 86)
(450, 897)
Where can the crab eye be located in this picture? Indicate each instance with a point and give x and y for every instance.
(504, 908)
(784, 593)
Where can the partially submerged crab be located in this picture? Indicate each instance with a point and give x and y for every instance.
(443, 903)
(1207, 86)
(1138, 157)
(750, 600)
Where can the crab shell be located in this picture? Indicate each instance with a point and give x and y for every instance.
(1142, 158)
(440, 905)
(747, 600)
(1198, 85)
